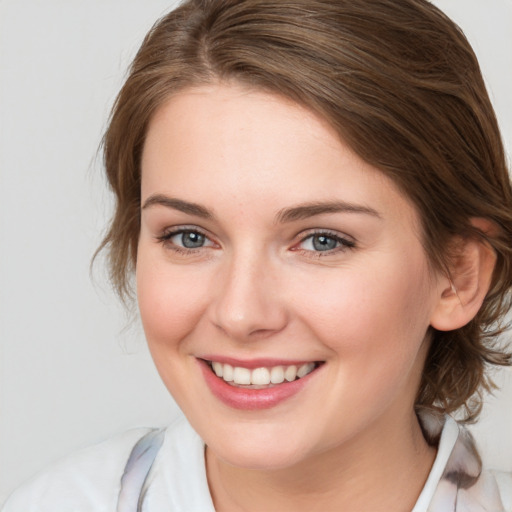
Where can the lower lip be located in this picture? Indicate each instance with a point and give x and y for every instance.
(251, 399)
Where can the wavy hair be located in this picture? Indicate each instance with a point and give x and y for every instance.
(401, 85)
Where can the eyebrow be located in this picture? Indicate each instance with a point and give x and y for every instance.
(304, 211)
(291, 214)
(178, 204)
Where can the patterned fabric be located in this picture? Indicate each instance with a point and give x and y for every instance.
(456, 482)
(463, 486)
(149, 470)
(133, 488)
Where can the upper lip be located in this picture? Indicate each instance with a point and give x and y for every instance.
(260, 362)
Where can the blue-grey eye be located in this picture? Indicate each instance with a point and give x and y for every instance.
(324, 243)
(192, 239)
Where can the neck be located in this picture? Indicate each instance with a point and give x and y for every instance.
(383, 468)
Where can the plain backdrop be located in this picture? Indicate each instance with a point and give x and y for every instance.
(72, 370)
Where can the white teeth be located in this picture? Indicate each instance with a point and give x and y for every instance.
(290, 373)
(217, 368)
(277, 375)
(305, 369)
(227, 372)
(261, 376)
(241, 375)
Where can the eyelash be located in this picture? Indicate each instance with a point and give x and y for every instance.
(166, 236)
(344, 243)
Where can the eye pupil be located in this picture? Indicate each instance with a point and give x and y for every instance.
(192, 240)
(324, 243)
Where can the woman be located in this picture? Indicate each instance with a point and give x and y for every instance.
(314, 199)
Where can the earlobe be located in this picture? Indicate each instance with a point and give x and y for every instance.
(462, 295)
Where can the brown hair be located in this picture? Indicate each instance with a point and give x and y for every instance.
(399, 82)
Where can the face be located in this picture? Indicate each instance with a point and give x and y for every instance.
(272, 255)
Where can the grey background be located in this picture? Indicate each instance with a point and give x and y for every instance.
(71, 372)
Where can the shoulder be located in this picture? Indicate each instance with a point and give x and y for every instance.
(504, 483)
(88, 480)
(94, 478)
(177, 480)
(457, 481)
(492, 491)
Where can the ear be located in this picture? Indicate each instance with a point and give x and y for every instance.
(463, 292)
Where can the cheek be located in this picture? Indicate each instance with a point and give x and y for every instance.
(171, 301)
(374, 325)
(372, 314)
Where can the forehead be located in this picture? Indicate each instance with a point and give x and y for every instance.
(227, 144)
(242, 117)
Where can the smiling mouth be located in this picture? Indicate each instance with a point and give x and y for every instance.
(261, 378)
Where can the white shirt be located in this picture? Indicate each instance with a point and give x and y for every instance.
(90, 480)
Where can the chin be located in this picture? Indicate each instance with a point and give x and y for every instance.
(260, 458)
(268, 450)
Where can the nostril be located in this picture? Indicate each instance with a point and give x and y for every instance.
(246, 304)
(255, 326)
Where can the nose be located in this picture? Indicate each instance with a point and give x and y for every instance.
(248, 304)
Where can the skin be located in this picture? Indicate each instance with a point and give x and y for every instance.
(257, 288)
